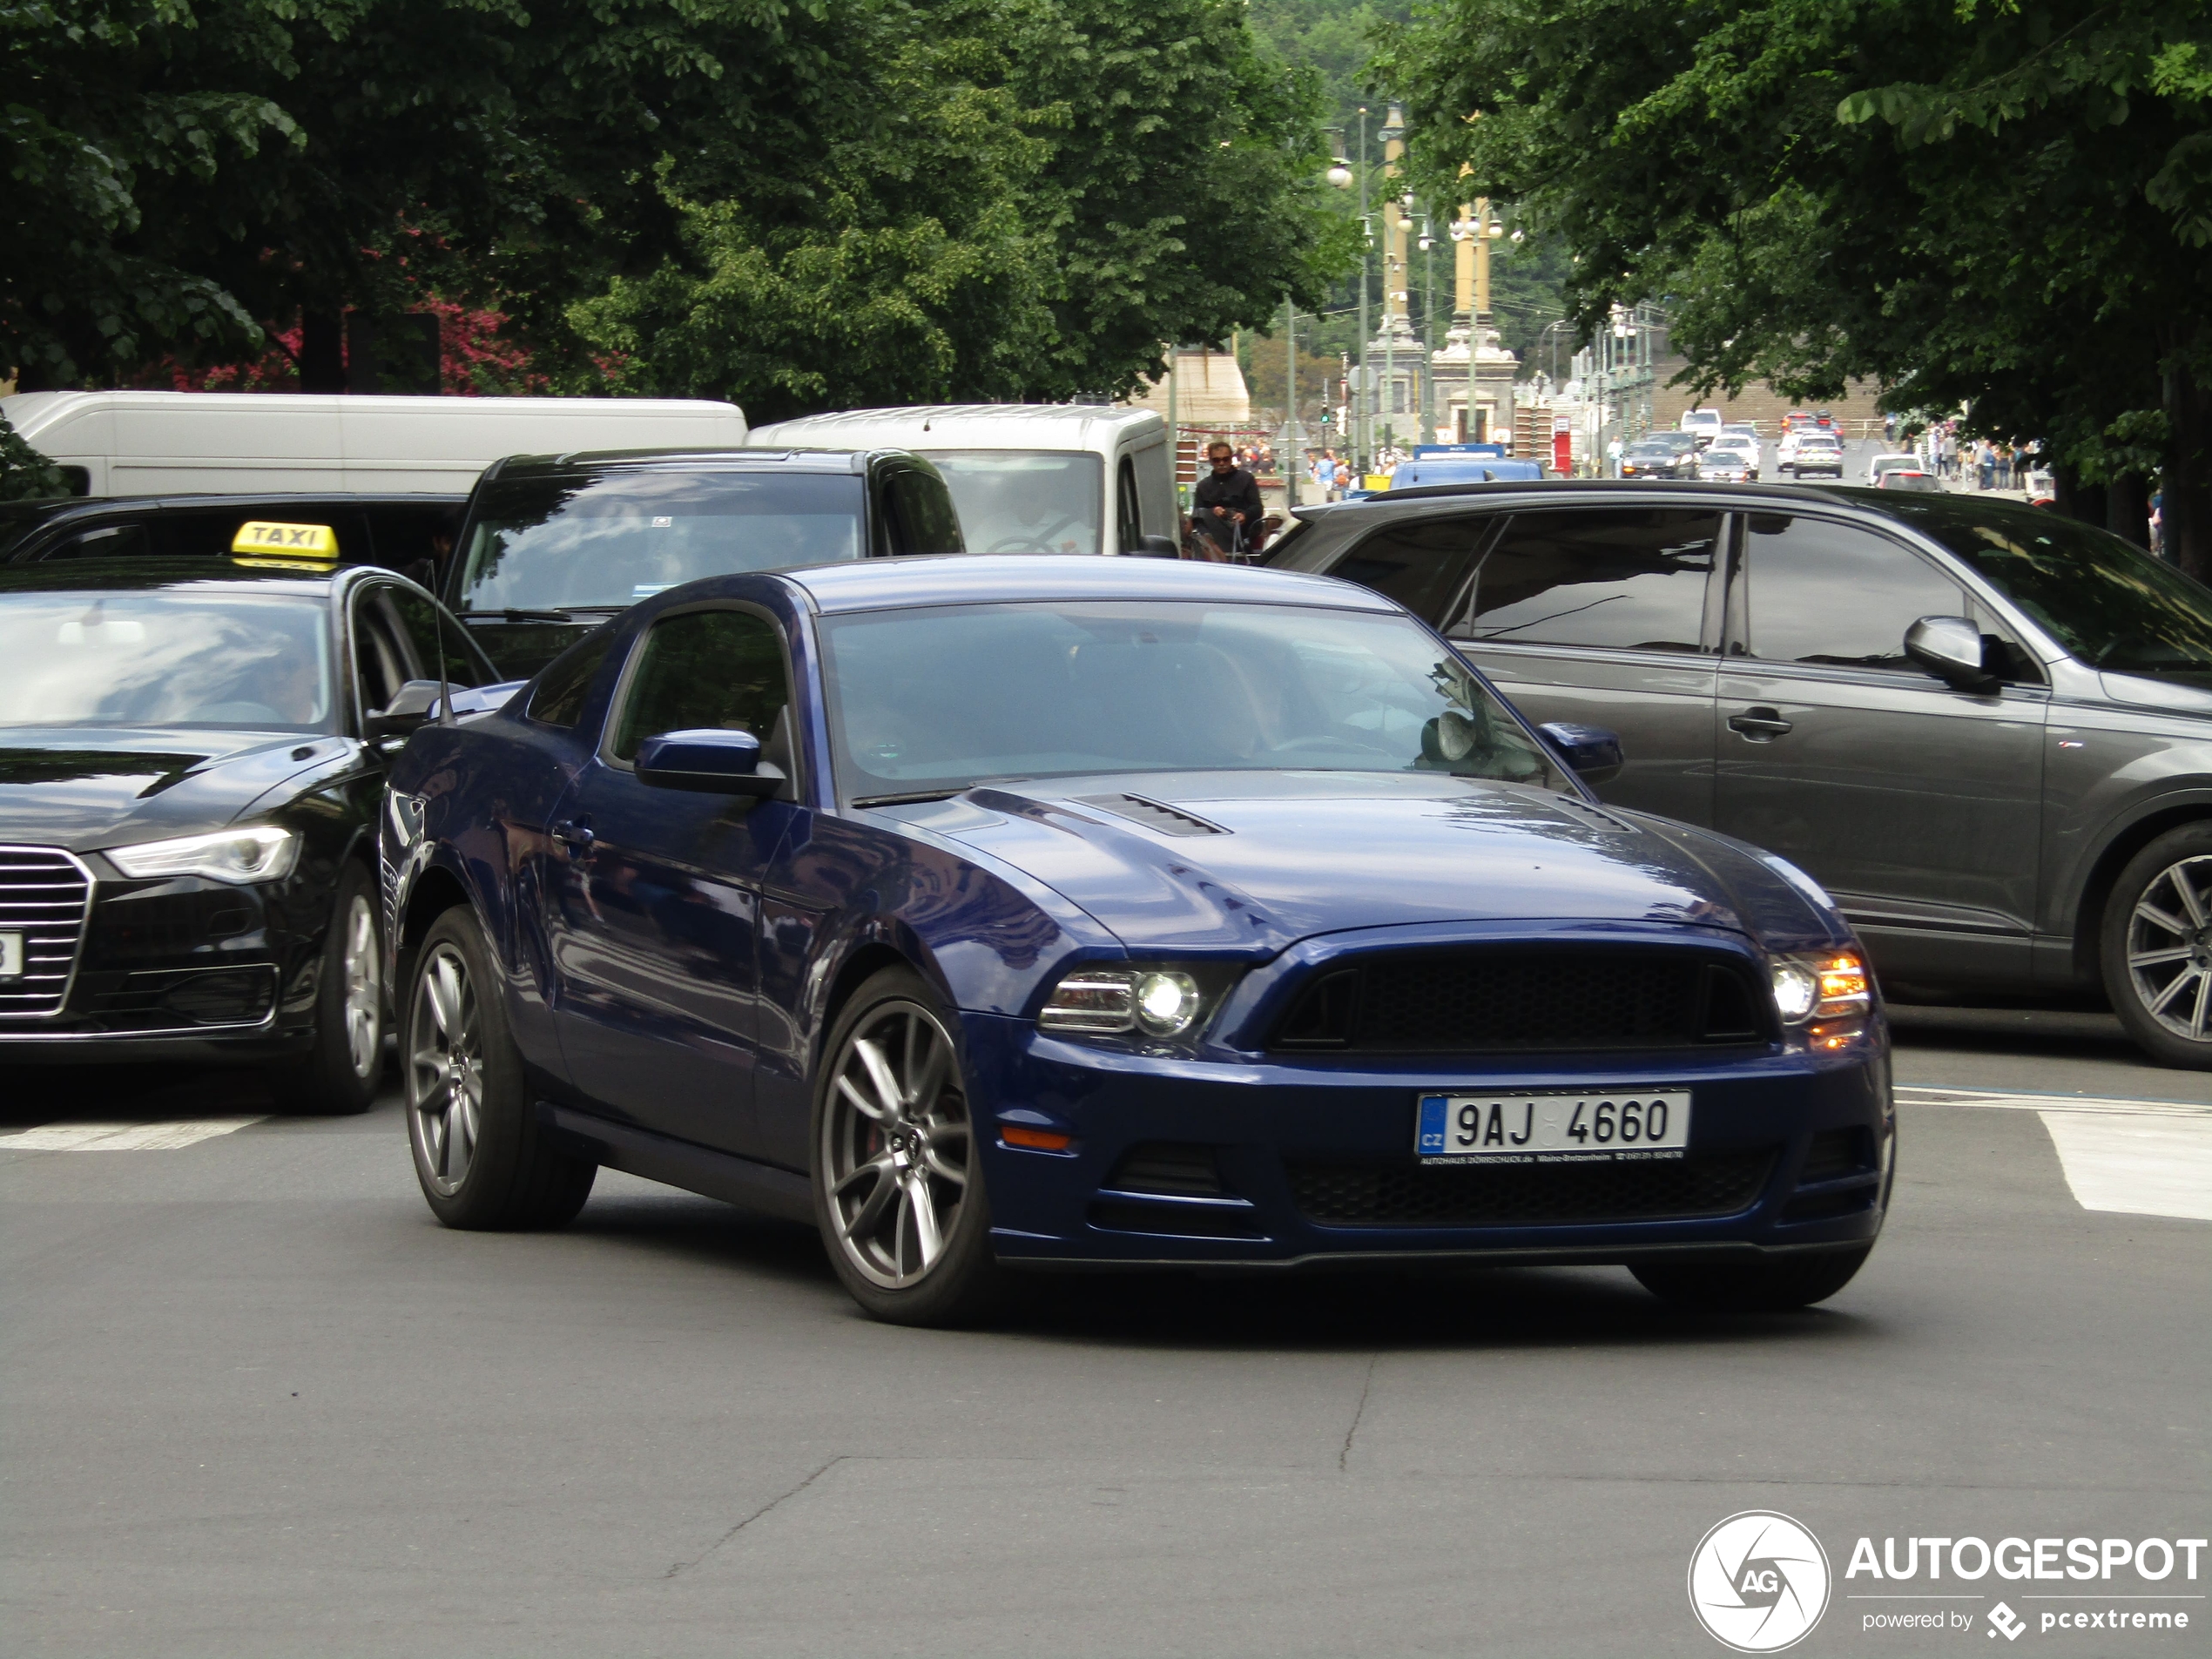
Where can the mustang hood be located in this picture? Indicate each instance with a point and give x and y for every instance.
(1239, 860)
(79, 789)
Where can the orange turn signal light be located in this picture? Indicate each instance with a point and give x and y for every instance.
(1037, 1140)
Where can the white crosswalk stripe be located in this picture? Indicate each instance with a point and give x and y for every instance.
(123, 1138)
(2134, 1157)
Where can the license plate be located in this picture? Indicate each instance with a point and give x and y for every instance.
(11, 955)
(1553, 1127)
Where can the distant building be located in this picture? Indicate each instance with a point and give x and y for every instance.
(1209, 391)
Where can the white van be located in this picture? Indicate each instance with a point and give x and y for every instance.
(1705, 425)
(1026, 477)
(138, 443)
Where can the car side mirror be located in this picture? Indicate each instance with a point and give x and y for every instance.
(408, 710)
(1156, 546)
(713, 762)
(1592, 752)
(1950, 648)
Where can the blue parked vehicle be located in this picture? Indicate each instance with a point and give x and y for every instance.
(1014, 913)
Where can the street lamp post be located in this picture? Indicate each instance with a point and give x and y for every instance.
(1428, 330)
(1359, 421)
(1290, 402)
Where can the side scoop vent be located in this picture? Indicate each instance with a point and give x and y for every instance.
(1168, 820)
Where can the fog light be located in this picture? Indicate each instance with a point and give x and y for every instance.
(1166, 1003)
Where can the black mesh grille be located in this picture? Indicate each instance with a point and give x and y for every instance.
(1465, 1002)
(43, 892)
(1835, 1153)
(1180, 1167)
(1337, 1193)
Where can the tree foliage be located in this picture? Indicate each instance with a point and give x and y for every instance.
(2004, 207)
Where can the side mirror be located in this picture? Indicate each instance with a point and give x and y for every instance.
(1156, 546)
(1592, 752)
(1950, 648)
(408, 711)
(713, 762)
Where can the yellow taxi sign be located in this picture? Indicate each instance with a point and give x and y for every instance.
(302, 547)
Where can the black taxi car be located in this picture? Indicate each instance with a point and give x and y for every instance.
(193, 755)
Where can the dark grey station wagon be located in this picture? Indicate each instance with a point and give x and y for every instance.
(1987, 730)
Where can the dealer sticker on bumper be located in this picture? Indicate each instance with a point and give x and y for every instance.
(1552, 1128)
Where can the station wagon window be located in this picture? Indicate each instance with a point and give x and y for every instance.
(927, 521)
(1414, 563)
(705, 669)
(104, 541)
(1820, 592)
(1628, 578)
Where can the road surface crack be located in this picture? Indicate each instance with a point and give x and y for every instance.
(1344, 1457)
(684, 1567)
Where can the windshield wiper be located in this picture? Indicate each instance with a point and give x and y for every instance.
(569, 613)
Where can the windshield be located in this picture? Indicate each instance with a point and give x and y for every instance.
(2106, 600)
(1022, 501)
(938, 699)
(607, 540)
(174, 658)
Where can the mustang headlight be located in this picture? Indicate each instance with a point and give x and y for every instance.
(262, 852)
(1823, 985)
(1144, 1002)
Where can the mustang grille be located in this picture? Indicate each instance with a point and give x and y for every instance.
(1342, 1193)
(43, 895)
(1472, 1002)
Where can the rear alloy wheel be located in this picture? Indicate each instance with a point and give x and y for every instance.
(897, 1185)
(2157, 947)
(481, 1154)
(341, 1073)
(1771, 1286)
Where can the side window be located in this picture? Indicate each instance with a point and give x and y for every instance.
(927, 523)
(1835, 595)
(419, 621)
(1624, 578)
(207, 533)
(1416, 562)
(558, 697)
(383, 658)
(1128, 511)
(706, 669)
(104, 541)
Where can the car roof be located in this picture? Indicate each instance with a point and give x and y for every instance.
(142, 573)
(692, 461)
(984, 578)
(1572, 492)
(955, 426)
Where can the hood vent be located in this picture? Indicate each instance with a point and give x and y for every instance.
(1150, 814)
(1575, 805)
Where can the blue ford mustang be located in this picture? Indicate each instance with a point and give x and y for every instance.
(1004, 914)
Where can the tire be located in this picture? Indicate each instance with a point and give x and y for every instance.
(1771, 1286)
(343, 1072)
(897, 1177)
(481, 1155)
(2156, 948)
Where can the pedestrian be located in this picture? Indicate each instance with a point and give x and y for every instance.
(1613, 459)
(1985, 464)
(1226, 503)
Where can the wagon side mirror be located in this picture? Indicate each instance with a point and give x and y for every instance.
(1157, 547)
(1950, 648)
(1592, 752)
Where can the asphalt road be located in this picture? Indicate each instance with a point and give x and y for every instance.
(257, 1402)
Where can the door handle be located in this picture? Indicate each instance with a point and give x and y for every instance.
(1759, 725)
(575, 835)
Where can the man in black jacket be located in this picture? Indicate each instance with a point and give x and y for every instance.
(1225, 503)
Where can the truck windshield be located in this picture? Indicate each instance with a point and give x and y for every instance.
(2107, 601)
(1024, 501)
(598, 540)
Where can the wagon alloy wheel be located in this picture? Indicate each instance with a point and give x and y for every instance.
(445, 1076)
(364, 989)
(2169, 948)
(897, 1150)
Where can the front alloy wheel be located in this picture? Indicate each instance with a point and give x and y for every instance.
(445, 1072)
(2158, 946)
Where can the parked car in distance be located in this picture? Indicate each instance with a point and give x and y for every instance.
(1663, 454)
(411, 533)
(1026, 478)
(1894, 462)
(1731, 459)
(1705, 425)
(554, 545)
(1424, 471)
(1985, 729)
(996, 913)
(1808, 451)
(192, 757)
(1900, 479)
(136, 443)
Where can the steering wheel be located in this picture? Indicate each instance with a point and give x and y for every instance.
(1040, 543)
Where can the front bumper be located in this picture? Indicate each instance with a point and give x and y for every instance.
(1789, 1152)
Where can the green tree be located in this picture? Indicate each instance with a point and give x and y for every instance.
(2005, 207)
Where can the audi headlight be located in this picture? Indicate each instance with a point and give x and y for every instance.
(263, 852)
(1137, 1001)
(1823, 985)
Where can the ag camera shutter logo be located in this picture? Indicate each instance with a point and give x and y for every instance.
(1758, 1581)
